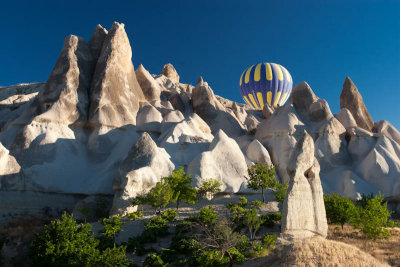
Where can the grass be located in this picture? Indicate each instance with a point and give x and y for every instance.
(387, 250)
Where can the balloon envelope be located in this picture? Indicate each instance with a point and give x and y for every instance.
(265, 83)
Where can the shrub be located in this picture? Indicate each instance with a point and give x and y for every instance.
(209, 188)
(339, 209)
(242, 202)
(181, 186)
(270, 219)
(256, 204)
(156, 226)
(206, 216)
(169, 215)
(136, 245)
(268, 241)
(211, 258)
(112, 226)
(134, 215)
(261, 177)
(252, 221)
(372, 217)
(153, 260)
(159, 196)
(66, 243)
(279, 191)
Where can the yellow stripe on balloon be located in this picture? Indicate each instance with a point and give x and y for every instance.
(257, 73)
(247, 77)
(269, 97)
(241, 79)
(260, 99)
(278, 69)
(283, 99)
(277, 96)
(253, 101)
(247, 101)
(268, 71)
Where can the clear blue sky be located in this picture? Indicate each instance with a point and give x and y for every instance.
(317, 41)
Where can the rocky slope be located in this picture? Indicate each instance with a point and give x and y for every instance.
(97, 127)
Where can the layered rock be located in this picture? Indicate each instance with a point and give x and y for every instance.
(224, 161)
(143, 167)
(351, 99)
(303, 212)
(115, 92)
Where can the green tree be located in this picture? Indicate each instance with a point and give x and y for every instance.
(159, 196)
(261, 177)
(66, 243)
(252, 221)
(209, 188)
(112, 226)
(339, 209)
(181, 185)
(373, 218)
(279, 191)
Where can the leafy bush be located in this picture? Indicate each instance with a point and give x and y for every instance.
(66, 243)
(256, 204)
(157, 226)
(181, 186)
(160, 195)
(211, 258)
(206, 216)
(252, 221)
(261, 177)
(339, 209)
(270, 219)
(209, 188)
(134, 215)
(372, 217)
(112, 226)
(169, 215)
(153, 260)
(279, 190)
(268, 241)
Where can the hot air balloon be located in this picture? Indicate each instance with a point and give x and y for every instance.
(265, 83)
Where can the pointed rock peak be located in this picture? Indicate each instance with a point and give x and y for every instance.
(267, 111)
(351, 99)
(200, 81)
(150, 87)
(96, 41)
(170, 72)
(141, 68)
(302, 97)
(145, 138)
(302, 156)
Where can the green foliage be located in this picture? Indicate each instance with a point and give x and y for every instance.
(153, 260)
(211, 258)
(112, 226)
(134, 215)
(372, 217)
(268, 241)
(339, 209)
(279, 191)
(209, 188)
(160, 195)
(252, 221)
(242, 202)
(169, 215)
(256, 204)
(181, 186)
(270, 219)
(136, 245)
(362, 202)
(261, 177)
(206, 216)
(66, 243)
(156, 226)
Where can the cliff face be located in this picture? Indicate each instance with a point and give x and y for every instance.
(98, 127)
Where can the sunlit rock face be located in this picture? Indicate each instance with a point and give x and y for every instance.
(99, 128)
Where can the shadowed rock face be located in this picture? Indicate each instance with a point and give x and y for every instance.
(115, 92)
(96, 42)
(303, 208)
(151, 89)
(65, 95)
(351, 99)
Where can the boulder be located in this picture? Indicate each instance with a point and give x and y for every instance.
(149, 119)
(267, 111)
(115, 92)
(345, 118)
(240, 112)
(385, 128)
(11, 176)
(96, 41)
(302, 97)
(224, 161)
(320, 111)
(151, 89)
(65, 99)
(303, 212)
(257, 153)
(170, 72)
(251, 122)
(351, 99)
(144, 166)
